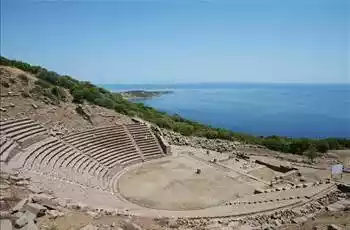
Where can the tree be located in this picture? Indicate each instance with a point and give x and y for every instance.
(311, 153)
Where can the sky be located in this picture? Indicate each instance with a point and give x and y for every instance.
(117, 42)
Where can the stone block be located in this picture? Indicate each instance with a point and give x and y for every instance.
(24, 219)
(20, 205)
(30, 226)
(36, 209)
(334, 227)
(5, 224)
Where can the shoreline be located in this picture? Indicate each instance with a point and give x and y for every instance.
(134, 95)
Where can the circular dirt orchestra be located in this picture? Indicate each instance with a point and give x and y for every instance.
(174, 184)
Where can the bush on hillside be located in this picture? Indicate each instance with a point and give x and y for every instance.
(24, 78)
(43, 84)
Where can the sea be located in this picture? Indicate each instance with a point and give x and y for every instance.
(291, 110)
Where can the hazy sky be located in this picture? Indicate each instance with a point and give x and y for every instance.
(182, 41)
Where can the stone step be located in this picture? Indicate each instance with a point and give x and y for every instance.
(35, 147)
(19, 127)
(94, 138)
(6, 149)
(72, 137)
(28, 132)
(117, 149)
(44, 150)
(116, 155)
(57, 157)
(103, 148)
(9, 127)
(8, 122)
(47, 158)
(102, 141)
(3, 140)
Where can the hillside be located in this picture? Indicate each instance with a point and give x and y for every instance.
(34, 87)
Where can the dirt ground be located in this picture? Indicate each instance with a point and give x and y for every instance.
(174, 185)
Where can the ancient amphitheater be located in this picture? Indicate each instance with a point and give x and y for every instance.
(128, 167)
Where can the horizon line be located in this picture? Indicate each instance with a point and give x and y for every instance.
(231, 82)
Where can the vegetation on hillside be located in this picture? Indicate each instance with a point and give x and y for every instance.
(52, 84)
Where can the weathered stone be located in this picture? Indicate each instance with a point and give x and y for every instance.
(5, 224)
(16, 178)
(128, 225)
(92, 214)
(36, 209)
(30, 226)
(163, 221)
(173, 223)
(299, 220)
(233, 224)
(4, 186)
(33, 188)
(334, 227)
(89, 227)
(54, 214)
(41, 198)
(4, 176)
(19, 205)
(22, 183)
(335, 207)
(24, 219)
(76, 206)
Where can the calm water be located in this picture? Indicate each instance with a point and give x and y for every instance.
(261, 109)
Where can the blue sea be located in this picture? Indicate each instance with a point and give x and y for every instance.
(293, 110)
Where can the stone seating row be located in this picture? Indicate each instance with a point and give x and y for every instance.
(21, 129)
(90, 132)
(301, 192)
(144, 139)
(55, 156)
(6, 146)
(108, 145)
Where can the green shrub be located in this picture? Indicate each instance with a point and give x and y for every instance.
(105, 102)
(42, 83)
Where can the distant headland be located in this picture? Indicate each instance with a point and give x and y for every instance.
(142, 94)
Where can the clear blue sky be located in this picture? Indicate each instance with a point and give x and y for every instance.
(182, 41)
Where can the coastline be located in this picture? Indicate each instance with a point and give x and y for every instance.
(134, 95)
